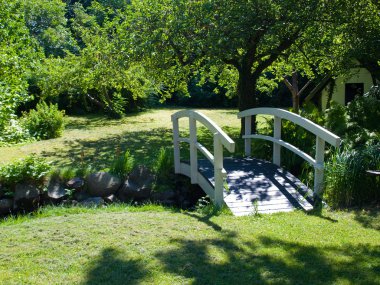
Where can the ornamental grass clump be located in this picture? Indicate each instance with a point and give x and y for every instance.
(347, 182)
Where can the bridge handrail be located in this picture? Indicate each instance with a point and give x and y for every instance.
(312, 127)
(227, 142)
(220, 139)
(322, 136)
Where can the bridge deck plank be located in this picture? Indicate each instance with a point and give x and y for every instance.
(259, 186)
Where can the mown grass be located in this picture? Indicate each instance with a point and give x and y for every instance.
(154, 245)
(94, 139)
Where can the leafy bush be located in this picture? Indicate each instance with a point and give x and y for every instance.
(122, 164)
(346, 181)
(13, 133)
(45, 122)
(31, 169)
(357, 123)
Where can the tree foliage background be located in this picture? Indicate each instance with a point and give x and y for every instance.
(114, 55)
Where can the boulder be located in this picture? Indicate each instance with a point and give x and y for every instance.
(102, 184)
(56, 191)
(138, 186)
(111, 199)
(76, 183)
(92, 202)
(6, 206)
(81, 196)
(26, 197)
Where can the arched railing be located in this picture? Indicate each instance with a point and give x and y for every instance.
(221, 139)
(322, 136)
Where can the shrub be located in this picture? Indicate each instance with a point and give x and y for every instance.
(13, 133)
(346, 181)
(31, 169)
(122, 164)
(45, 122)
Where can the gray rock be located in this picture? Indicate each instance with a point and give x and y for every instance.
(111, 199)
(93, 201)
(56, 191)
(26, 191)
(6, 205)
(102, 184)
(138, 186)
(80, 196)
(26, 197)
(76, 183)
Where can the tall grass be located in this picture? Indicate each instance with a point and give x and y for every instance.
(347, 182)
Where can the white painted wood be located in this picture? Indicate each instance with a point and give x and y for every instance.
(218, 168)
(318, 173)
(186, 140)
(193, 150)
(205, 152)
(297, 119)
(227, 142)
(291, 147)
(248, 131)
(277, 136)
(220, 139)
(177, 155)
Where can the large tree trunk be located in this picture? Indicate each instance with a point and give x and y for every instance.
(246, 90)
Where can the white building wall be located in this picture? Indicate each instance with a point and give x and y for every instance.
(360, 75)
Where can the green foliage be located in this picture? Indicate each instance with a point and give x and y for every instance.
(123, 164)
(31, 169)
(164, 164)
(336, 118)
(19, 55)
(13, 133)
(163, 168)
(45, 122)
(356, 123)
(347, 183)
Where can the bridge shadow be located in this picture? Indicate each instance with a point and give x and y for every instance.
(249, 262)
(112, 267)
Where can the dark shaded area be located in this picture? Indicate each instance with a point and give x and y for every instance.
(112, 267)
(246, 264)
(369, 218)
(100, 152)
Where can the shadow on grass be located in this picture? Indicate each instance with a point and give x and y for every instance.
(111, 267)
(100, 153)
(270, 261)
(369, 218)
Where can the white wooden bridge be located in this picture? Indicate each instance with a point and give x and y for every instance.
(253, 185)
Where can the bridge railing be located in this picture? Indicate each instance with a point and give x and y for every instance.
(221, 139)
(322, 136)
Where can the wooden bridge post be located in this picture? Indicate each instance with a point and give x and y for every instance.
(248, 130)
(318, 171)
(276, 146)
(218, 167)
(193, 150)
(176, 146)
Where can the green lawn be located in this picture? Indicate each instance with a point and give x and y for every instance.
(95, 139)
(157, 246)
(154, 245)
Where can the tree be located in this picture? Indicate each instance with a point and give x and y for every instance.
(19, 55)
(179, 38)
(101, 72)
